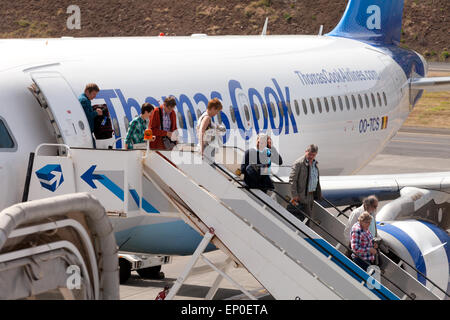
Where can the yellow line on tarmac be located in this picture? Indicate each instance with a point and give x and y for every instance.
(426, 142)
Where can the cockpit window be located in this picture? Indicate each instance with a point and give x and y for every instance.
(7, 142)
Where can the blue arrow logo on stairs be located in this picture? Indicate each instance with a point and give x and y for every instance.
(89, 176)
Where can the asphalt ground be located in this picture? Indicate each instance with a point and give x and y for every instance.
(411, 150)
(438, 66)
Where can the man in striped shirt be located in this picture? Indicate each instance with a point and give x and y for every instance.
(138, 126)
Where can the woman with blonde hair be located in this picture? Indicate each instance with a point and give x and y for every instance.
(205, 127)
(362, 242)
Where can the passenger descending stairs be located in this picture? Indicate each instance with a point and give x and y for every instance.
(396, 278)
(287, 258)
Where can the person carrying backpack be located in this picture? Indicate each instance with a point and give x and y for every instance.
(103, 131)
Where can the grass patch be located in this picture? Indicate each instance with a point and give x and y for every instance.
(433, 110)
(265, 3)
(29, 29)
(23, 23)
(259, 4)
(260, 8)
(438, 108)
(207, 11)
(287, 17)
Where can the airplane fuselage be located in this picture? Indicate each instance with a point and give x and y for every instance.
(346, 96)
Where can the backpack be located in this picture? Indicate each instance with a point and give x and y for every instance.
(102, 124)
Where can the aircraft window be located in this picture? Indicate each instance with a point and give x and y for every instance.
(247, 113)
(379, 99)
(289, 107)
(327, 106)
(219, 118)
(180, 120)
(126, 122)
(305, 108)
(256, 110)
(373, 100)
(274, 113)
(385, 99)
(333, 104)
(341, 106)
(361, 105)
(347, 103)
(319, 105)
(199, 113)
(367, 100)
(264, 108)
(311, 104)
(191, 121)
(280, 105)
(6, 140)
(354, 102)
(233, 116)
(297, 108)
(116, 127)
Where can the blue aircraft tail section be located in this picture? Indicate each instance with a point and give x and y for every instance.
(373, 21)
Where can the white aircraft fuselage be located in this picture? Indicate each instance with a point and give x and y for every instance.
(363, 93)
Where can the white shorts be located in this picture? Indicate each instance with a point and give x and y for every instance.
(105, 143)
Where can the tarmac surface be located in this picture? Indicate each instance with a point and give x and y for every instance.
(411, 150)
(439, 66)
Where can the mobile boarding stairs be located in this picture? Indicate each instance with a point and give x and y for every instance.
(287, 257)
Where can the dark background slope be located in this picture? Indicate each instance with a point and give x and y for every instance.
(425, 22)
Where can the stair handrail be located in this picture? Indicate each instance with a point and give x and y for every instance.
(340, 213)
(310, 238)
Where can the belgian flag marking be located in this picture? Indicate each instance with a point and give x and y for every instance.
(384, 122)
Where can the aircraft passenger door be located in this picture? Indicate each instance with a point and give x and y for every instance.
(64, 110)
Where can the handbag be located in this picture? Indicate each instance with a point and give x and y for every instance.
(168, 144)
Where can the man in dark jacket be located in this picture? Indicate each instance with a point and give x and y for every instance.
(90, 92)
(304, 180)
(257, 163)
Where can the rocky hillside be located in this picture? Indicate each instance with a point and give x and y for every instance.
(425, 22)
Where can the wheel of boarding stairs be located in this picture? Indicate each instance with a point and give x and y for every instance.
(151, 273)
(124, 270)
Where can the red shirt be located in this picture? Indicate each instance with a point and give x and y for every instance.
(155, 125)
